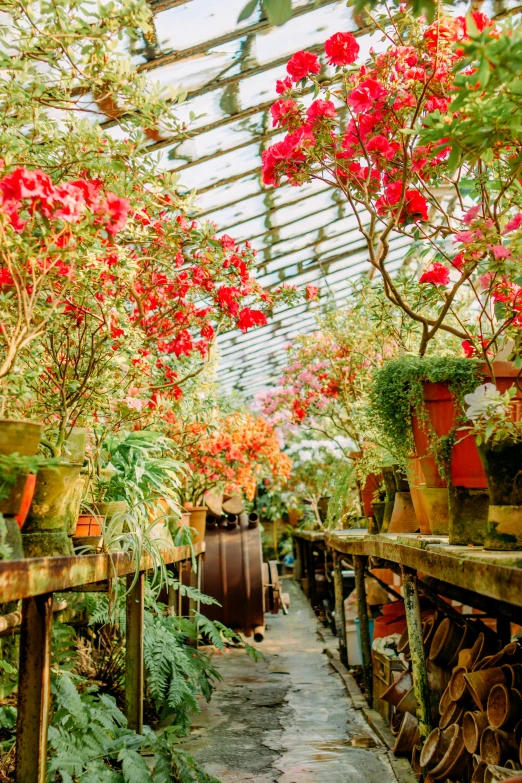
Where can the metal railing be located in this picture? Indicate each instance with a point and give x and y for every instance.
(34, 580)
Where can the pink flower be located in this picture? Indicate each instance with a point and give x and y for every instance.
(434, 103)
(312, 292)
(320, 109)
(515, 223)
(458, 261)
(364, 96)
(499, 251)
(437, 274)
(341, 49)
(116, 210)
(283, 85)
(302, 64)
(464, 236)
(472, 213)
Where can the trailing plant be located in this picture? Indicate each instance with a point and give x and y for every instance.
(398, 392)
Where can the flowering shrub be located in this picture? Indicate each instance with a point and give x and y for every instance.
(375, 132)
(239, 451)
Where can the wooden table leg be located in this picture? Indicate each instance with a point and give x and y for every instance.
(134, 653)
(34, 689)
(340, 619)
(418, 661)
(359, 564)
(310, 572)
(298, 564)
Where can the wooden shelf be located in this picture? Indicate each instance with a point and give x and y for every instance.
(495, 574)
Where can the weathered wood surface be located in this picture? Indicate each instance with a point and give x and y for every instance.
(497, 575)
(316, 536)
(41, 575)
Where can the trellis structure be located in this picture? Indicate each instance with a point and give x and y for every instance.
(303, 235)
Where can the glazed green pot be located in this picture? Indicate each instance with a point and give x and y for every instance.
(54, 512)
(503, 465)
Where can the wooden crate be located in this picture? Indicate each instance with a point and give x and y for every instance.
(383, 668)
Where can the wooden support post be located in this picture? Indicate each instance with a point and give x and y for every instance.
(194, 582)
(359, 564)
(310, 571)
(180, 596)
(418, 661)
(298, 564)
(172, 594)
(34, 692)
(134, 653)
(340, 620)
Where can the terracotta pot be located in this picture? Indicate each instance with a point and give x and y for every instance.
(436, 501)
(501, 462)
(378, 507)
(511, 764)
(88, 525)
(398, 689)
(473, 726)
(19, 437)
(434, 748)
(391, 488)
(18, 502)
(504, 706)
(497, 746)
(483, 647)
(408, 735)
(465, 466)
(513, 674)
(456, 761)
(464, 659)
(458, 686)
(415, 761)
(446, 641)
(23, 438)
(417, 482)
(371, 485)
(395, 723)
(403, 517)
(480, 683)
(479, 772)
(452, 715)
(468, 515)
(53, 512)
(445, 701)
(198, 518)
(408, 703)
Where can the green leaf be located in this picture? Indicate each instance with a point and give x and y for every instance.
(248, 10)
(278, 11)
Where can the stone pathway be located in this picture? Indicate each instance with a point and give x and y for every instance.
(286, 718)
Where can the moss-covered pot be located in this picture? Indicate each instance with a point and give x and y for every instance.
(503, 465)
(379, 507)
(53, 513)
(390, 485)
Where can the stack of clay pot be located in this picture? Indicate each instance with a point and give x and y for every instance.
(476, 705)
(480, 711)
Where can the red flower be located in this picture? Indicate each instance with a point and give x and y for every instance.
(282, 110)
(302, 64)
(341, 49)
(382, 147)
(364, 96)
(116, 209)
(207, 332)
(320, 109)
(248, 318)
(415, 205)
(283, 85)
(226, 242)
(5, 277)
(468, 349)
(25, 184)
(312, 292)
(437, 274)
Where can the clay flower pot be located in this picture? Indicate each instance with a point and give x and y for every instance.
(473, 726)
(445, 701)
(417, 482)
(198, 520)
(501, 462)
(415, 761)
(378, 507)
(496, 746)
(445, 643)
(408, 735)
(408, 703)
(456, 760)
(452, 715)
(436, 501)
(480, 683)
(88, 525)
(391, 488)
(513, 674)
(504, 706)
(395, 723)
(398, 689)
(434, 748)
(479, 771)
(54, 511)
(483, 647)
(371, 485)
(403, 518)
(458, 687)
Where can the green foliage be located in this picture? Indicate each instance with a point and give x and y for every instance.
(397, 392)
(89, 739)
(343, 501)
(276, 11)
(481, 120)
